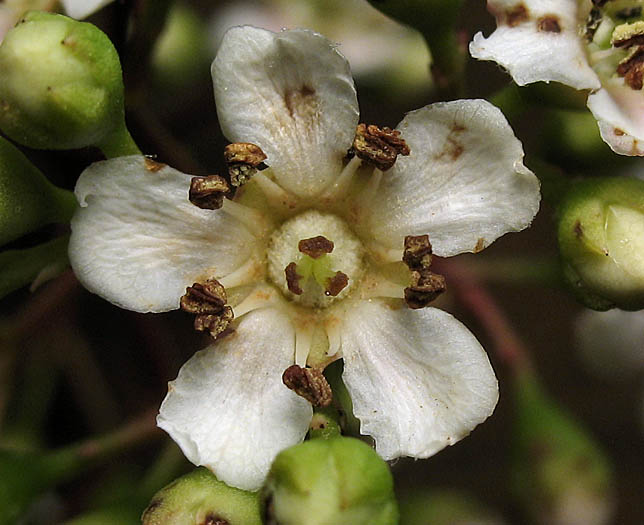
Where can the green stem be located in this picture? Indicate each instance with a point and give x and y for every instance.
(74, 459)
(119, 144)
(168, 466)
(21, 267)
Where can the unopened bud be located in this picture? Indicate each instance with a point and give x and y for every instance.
(61, 85)
(199, 498)
(337, 480)
(601, 241)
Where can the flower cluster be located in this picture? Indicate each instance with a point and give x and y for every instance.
(596, 45)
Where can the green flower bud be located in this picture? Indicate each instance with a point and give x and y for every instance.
(199, 498)
(61, 86)
(601, 241)
(560, 475)
(27, 199)
(329, 481)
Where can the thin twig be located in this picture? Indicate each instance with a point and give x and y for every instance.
(472, 294)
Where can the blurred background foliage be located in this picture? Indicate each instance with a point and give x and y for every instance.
(81, 380)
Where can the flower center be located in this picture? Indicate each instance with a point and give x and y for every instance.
(315, 259)
(615, 34)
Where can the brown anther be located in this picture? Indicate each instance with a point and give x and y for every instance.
(243, 160)
(293, 279)
(379, 146)
(628, 35)
(308, 383)
(153, 165)
(426, 286)
(208, 193)
(214, 323)
(632, 69)
(315, 247)
(418, 252)
(336, 284)
(206, 298)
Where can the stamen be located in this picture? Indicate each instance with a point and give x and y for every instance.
(216, 324)
(261, 297)
(303, 338)
(632, 68)
(627, 35)
(378, 146)
(248, 272)
(371, 189)
(310, 384)
(426, 286)
(315, 247)
(340, 185)
(206, 298)
(254, 220)
(293, 279)
(274, 192)
(243, 160)
(208, 301)
(208, 193)
(336, 284)
(334, 338)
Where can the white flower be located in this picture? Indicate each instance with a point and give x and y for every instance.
(80, 9)
(419, 379)
(585, 44)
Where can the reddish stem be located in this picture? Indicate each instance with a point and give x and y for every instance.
(472, 294)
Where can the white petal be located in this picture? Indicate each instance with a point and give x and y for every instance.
(138, 242)
(229, 410)
(531, 54)
(419, 380)
(83, 8)
(291, 93)
(464, 183)
(620, 114)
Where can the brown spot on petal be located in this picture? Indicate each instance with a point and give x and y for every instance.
(480, 244)
(293, 279)
(619, 132)
(549, 24)
(516, 15)
(336, 284)
(152, 165)
(315, 247)
(301, 102)
(308, 383)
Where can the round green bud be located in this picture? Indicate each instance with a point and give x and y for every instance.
(601, 241)
(329, 481)
(199, 497)
(61, 85)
